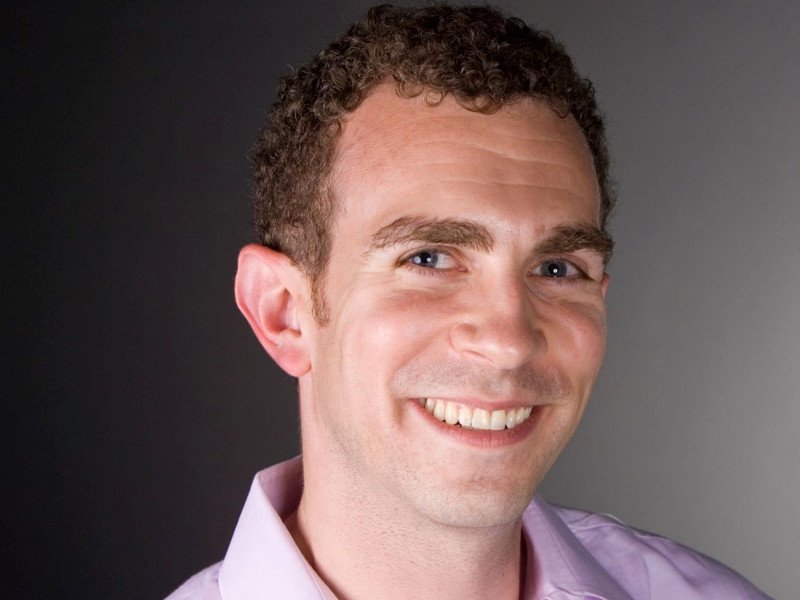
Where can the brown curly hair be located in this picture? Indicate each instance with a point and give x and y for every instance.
(474, 53)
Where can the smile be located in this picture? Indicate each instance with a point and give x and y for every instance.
(456, 414)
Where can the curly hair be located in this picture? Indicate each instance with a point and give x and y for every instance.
(474, 53)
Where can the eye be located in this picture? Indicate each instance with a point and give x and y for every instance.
(557, 269)
(431, 260)
(426, 258)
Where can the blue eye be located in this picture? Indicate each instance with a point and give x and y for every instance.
(431, 262)
(557, 269)
(426, 258)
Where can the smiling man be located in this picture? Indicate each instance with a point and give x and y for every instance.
(432, 200)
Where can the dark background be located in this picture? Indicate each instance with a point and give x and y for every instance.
(139, 404)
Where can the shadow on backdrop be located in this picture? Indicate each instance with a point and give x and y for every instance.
(141, 405)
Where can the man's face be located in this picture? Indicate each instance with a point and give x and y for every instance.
(466, 275)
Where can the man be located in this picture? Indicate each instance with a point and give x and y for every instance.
(432, 200)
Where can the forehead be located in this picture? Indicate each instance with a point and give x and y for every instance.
(394, 149)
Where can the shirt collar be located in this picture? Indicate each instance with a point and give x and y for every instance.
(263, 556)
(564, 567)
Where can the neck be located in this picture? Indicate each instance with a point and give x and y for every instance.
(365, 544)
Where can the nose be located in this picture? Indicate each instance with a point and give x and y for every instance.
(501, 327)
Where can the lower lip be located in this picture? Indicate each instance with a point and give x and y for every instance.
(481, 438)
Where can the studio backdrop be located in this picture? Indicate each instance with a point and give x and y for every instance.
(140, 403)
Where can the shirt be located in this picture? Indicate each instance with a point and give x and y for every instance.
(571, 555)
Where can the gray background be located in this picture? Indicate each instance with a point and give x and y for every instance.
(138, 403)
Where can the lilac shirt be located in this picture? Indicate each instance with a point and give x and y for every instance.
(571, 555)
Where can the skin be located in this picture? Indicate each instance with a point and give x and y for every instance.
(396, 504)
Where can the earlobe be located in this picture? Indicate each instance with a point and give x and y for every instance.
(268, 294)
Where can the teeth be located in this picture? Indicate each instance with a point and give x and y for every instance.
(480, 419)
(465, 416)
(454, 413)
(498, 420)
(451, 413)
(438, 410)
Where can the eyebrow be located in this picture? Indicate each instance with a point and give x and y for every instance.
(568, 238)
(464, 233)
(453, 232)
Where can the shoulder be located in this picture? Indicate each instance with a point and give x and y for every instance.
(652, 566)
(202, 586)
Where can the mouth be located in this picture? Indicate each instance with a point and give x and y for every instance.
(467, 417)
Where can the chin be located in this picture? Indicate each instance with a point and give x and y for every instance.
(477, 504)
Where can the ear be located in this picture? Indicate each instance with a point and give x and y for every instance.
(604, 284)
(269, 292)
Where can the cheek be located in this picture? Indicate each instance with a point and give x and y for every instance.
(577, 346)
(381, 333)
(581, 339)
(392, 328)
